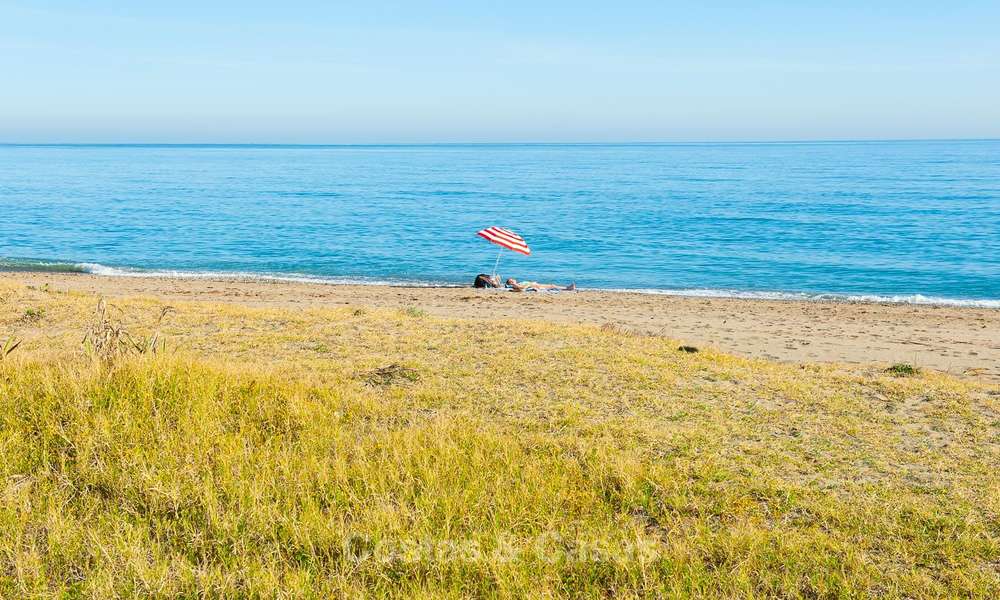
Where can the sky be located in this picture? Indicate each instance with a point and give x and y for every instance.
(298, 71)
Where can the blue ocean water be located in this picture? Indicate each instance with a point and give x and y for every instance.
(910, 221)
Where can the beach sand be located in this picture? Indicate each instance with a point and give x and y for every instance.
(960, 341)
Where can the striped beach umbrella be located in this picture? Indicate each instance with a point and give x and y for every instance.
(505, 238)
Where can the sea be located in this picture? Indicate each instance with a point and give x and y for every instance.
(893, 221)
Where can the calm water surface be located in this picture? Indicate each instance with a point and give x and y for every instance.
(917, 221)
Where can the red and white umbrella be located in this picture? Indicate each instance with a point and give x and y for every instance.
(505, 238)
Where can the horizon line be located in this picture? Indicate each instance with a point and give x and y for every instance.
(512, 143)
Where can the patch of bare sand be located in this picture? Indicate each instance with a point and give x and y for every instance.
(960, 341)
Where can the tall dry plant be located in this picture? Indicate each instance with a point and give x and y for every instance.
(109, 339)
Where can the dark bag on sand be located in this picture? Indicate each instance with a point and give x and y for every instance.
(483, 281)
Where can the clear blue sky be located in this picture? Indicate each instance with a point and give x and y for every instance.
(378, 71)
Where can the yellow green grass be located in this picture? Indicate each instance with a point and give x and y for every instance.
(262, 453)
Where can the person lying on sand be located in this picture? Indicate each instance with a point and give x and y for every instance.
(522, 286)
(486, 281)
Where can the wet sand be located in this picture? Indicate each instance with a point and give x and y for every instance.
(960, 341)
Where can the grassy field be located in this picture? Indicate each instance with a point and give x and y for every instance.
(250, 452)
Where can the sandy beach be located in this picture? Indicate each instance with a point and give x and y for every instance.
(959, 341)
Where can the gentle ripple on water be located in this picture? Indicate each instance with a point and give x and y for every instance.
(904, 221)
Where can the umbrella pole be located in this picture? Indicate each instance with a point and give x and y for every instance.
(497, 263)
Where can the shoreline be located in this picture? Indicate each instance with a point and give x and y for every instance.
(13, 266)
(960, 340)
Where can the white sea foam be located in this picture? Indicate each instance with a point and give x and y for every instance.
(106, 271)
(818, 297)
